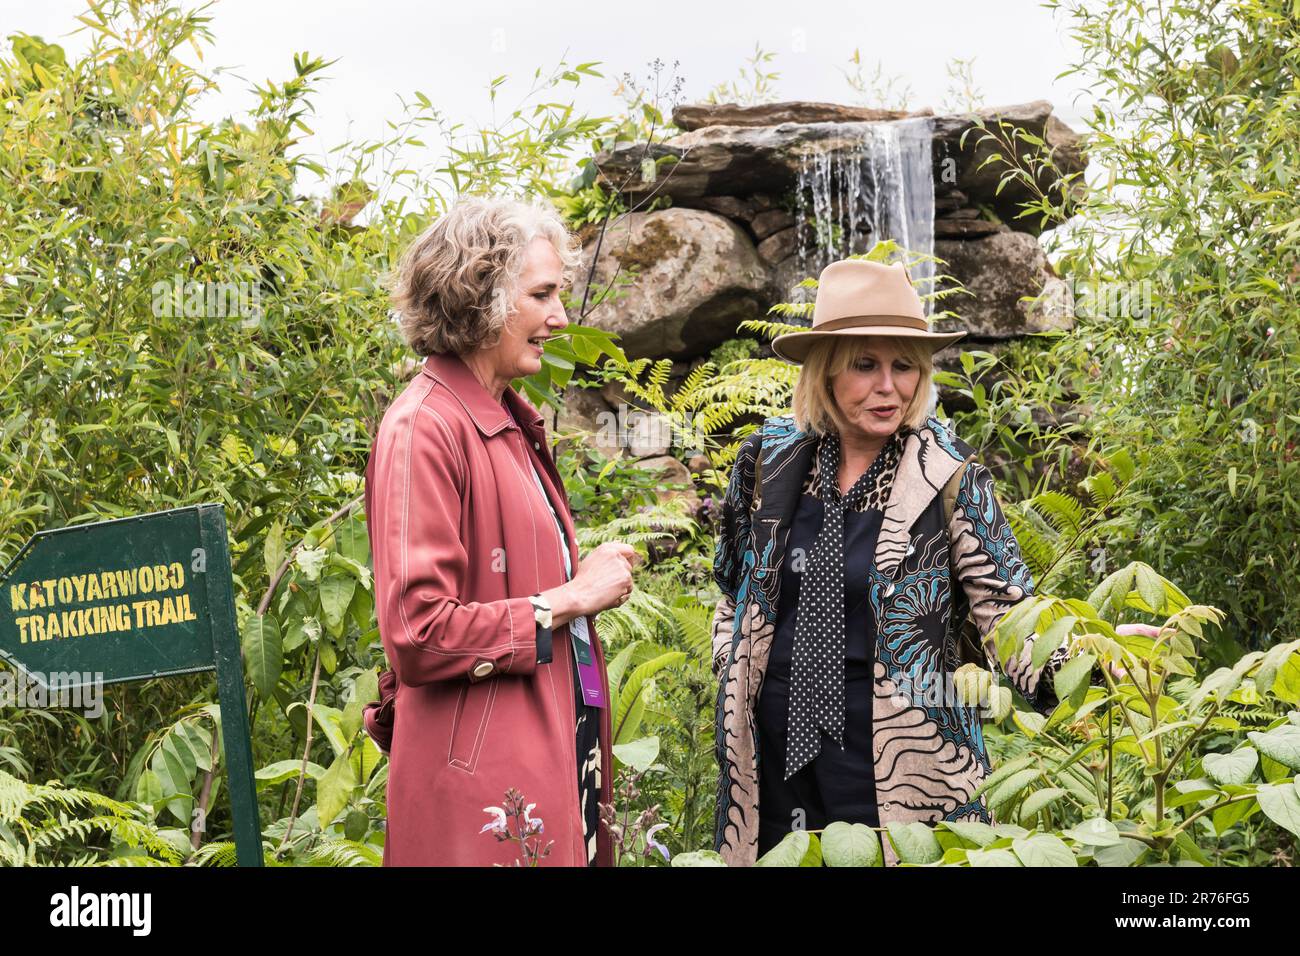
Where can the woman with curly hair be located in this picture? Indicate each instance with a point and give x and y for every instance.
(485, 610)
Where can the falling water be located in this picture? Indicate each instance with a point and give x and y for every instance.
(883, 188)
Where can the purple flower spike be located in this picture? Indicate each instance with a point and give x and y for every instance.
(652, 842)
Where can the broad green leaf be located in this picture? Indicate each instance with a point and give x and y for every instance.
(263, 653)
(1282, 744)
(992, 857)
(1072, 677)
(638, 754)
(1281, 804)
(914, 842)
(972, 831)
(1043, 849)
(851, 844)
(1011, 787)
(335, 596)
(797, 848)
(282, 770)
(1037, 800)
(1094, 831)
(698, 858)
(366, 758)
(273, 550)
(334, 790)
(1230, 814)
(1235, 767)
(352, 539)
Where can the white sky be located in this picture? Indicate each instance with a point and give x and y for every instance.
(450, 51)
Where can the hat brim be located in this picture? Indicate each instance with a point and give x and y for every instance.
(794, 346)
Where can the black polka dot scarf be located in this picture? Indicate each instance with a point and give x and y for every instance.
(817, 665)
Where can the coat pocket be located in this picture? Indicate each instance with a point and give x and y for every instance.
(469, 727)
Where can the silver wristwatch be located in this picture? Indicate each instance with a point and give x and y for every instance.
(541, 611)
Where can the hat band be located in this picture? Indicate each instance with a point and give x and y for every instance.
(862, 321)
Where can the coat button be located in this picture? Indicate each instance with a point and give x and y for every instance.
(537, 446)
(482, 669)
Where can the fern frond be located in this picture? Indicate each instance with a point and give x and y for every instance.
(335, 852)
(219, 853)
(695, 622)
(1037, 540)
(640, 619)
(1066, 514)
(770, 330)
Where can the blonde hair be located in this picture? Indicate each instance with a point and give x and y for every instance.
(457, 282)
(814, 406)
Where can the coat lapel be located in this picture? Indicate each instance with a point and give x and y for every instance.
(786, 455)
(931, 454)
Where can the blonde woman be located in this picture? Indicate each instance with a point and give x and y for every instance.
(844, 586)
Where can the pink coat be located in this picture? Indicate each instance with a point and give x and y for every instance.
(460, 539)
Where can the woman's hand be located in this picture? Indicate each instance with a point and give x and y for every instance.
(603, 580)
(1143, 630)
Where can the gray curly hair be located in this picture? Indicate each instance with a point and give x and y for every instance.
(457, 281)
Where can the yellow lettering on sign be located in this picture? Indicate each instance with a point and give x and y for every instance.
(68, 624)
(76, 605)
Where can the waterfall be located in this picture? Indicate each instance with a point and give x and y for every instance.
(882, 188)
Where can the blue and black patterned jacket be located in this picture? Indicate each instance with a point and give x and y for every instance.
(928, 745)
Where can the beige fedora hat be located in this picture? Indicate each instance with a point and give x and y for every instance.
(857, 297)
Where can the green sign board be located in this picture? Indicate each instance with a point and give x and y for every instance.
(133, 599)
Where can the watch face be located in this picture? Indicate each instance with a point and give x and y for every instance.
(541, 611)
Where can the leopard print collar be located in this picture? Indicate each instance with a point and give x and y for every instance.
(878, 493)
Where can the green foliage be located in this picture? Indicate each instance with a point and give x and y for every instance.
(1149, 768)
(195, 311)
(49, 825)
(1183, 263)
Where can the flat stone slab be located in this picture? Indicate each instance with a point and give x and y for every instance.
(739, 160)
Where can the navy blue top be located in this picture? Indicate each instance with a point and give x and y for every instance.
(860, 531)
(838, 784)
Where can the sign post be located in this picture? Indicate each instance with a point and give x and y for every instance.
(134, 599)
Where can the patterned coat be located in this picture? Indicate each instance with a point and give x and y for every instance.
(929, 749)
